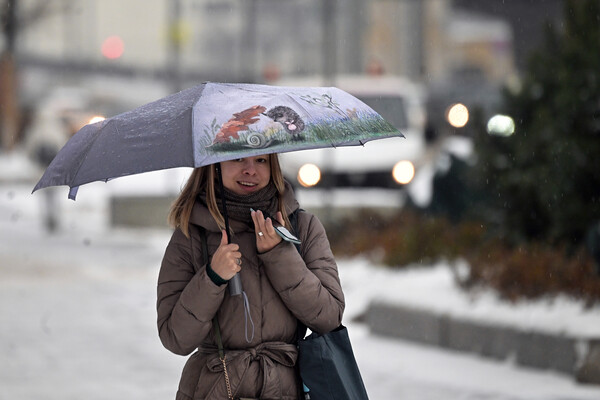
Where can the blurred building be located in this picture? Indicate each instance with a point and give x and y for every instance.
(254, 40)
(525, 18)
(234, 40)
(140, 50)
(192, 40)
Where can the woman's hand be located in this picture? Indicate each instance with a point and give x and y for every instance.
(227, 260)
(266, 237)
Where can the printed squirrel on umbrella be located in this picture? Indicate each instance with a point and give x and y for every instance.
(288, 118)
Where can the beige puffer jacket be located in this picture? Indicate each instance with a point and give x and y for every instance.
(282, 286)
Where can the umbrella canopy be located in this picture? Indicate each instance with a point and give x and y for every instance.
(210, 123)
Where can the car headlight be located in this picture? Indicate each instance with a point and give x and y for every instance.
(403, 172)
(457, 115)
(309, 175)
(501, 125)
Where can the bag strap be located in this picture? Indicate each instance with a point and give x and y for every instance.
(204, 259)
(218, 337)
(201, 232)
(217, 329)
(204, 245)
(300, 328)
(294, 223)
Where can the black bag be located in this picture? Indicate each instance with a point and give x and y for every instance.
(326, 362)
(328, 367)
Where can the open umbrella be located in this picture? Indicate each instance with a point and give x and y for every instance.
(213, 122)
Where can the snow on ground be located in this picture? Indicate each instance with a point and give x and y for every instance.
(77, 316)
(433, 289)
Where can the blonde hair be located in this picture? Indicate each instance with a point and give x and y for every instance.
(205, 178)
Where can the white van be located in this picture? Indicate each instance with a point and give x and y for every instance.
(400, 102)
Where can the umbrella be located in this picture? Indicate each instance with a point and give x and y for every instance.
(210, 123)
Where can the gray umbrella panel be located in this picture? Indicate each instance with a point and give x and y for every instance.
(155, 136)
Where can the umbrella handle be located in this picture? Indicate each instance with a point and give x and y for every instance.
(235, 283)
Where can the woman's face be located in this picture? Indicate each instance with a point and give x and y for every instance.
(246, 175)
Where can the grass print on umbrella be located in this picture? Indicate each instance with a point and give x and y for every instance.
(332, 131)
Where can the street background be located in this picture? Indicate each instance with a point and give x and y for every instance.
(498, 101)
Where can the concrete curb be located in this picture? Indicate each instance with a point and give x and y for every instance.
(140, 211)
(575, 356)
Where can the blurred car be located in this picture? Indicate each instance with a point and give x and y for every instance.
(62, 111)
(466, 88)
(383, 163)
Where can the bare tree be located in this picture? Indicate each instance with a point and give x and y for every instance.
(9, 110)
(12, 21)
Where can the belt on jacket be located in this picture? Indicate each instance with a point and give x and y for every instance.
(268, 354)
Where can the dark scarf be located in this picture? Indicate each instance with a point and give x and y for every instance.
(238, 206)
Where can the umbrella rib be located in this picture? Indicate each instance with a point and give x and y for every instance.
(96, 136)
(298, 103)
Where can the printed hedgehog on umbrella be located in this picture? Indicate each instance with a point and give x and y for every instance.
(291, 121)
(288, 118)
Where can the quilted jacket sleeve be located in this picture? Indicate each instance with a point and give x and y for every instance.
(308, 284)
(186, 300)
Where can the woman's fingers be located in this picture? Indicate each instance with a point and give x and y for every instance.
(279, 217)
(227, 260)
(266, 237)
(263, 227)
(257, 221)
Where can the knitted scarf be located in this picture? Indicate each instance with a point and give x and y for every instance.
(238, 206)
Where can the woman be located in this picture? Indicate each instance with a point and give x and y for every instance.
(281, 285)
